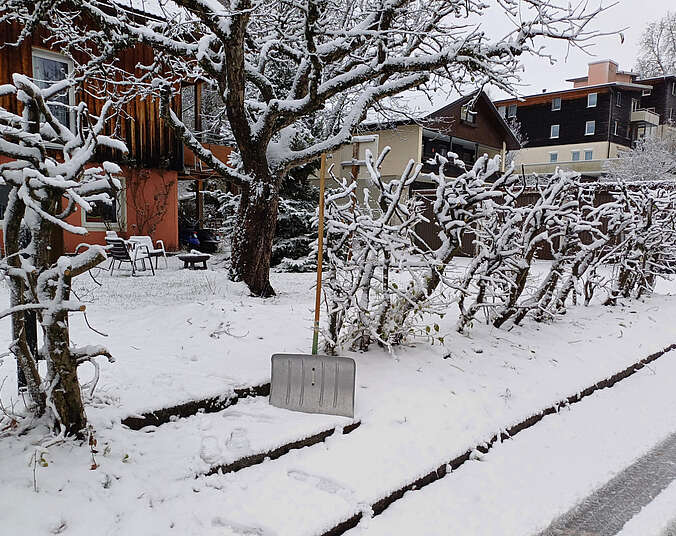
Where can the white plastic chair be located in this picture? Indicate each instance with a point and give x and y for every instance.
(153, 251)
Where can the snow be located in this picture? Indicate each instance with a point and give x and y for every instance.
(526, 482)
(185, 335)
(657, 518)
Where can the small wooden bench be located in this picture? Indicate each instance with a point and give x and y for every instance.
(190, 260)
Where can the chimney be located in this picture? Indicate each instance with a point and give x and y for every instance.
(602, 72)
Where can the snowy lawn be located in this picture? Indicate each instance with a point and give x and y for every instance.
(184, 335)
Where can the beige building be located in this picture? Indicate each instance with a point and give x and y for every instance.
(469, 127)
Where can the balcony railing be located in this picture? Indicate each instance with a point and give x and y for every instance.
(645, 116)
(586, 167)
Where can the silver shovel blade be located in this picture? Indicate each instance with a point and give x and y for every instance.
(313, 383)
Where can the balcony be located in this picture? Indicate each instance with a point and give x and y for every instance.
(645, 116)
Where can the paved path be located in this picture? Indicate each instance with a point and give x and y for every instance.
(605, 512)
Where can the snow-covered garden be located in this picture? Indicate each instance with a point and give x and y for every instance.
(186, 335)
(141, 405)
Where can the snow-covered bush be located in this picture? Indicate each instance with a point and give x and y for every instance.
(383, 284)
(50, 179)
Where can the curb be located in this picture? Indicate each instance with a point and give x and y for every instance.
(212, 404)
(273, 454)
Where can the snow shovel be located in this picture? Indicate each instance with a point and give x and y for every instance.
(314, 383)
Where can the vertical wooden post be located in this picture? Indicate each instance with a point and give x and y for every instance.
(199, 201)
(320, 255)
(198, 112)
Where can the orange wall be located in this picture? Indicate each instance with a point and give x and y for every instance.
(167, 228)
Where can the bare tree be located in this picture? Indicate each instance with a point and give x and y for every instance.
(50, 179)
(276, 64)
(657, 55)
(652, 158)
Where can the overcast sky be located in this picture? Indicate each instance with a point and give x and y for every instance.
(630, 15)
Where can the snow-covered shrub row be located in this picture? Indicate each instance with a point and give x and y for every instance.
(383, 284)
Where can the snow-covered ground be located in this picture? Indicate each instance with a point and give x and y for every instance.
(184, 335)
(521, 485)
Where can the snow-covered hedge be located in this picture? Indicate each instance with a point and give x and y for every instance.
(383, 283)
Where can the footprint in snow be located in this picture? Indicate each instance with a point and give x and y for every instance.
(323, 484)
(238, 440)
(210, 450)
(243, 530)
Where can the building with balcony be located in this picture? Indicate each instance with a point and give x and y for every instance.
(580, 128)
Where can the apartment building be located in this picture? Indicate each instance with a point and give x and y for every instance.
(582, 127)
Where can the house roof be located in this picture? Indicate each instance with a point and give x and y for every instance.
(430, 120)
(583, 89)
(655, 78)
(512, 141)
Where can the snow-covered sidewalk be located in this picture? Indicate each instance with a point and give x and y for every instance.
(520, 486)
(185, 335)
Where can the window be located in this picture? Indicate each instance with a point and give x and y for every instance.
(588, 154)
(590, 128)
(575, 156)
(618, 100)
(592, 98)
(673, 89)
(104, 216)
(503, 111)
(49, 67)
(554, 131)
(616, 128)
(467, 114)
(511, 111)
(646, 92)
(556, 104)
(553, 157)
(634, 105)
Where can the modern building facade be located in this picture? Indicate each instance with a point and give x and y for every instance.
(582, 127)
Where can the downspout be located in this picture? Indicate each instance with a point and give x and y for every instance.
(610, 116)
(503, 156)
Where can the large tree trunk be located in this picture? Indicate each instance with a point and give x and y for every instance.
(253, 236)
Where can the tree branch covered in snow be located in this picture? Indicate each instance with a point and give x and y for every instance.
(279, 66)
(50, 178)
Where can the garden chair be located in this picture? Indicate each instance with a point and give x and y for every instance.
(119, 251)
(147, 242)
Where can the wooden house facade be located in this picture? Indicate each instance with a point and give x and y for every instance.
(151, 169)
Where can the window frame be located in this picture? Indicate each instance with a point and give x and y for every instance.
(466, 112)
(646, 92)
(596, 100)
(618, 100)
(554, 108)
(553, 157)
(509, 109)
(551, 132)
(616, 128)
(673, 89)
(121, 223)
(572, 155)
(56, 56)
(586, 128)
(591, 152)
